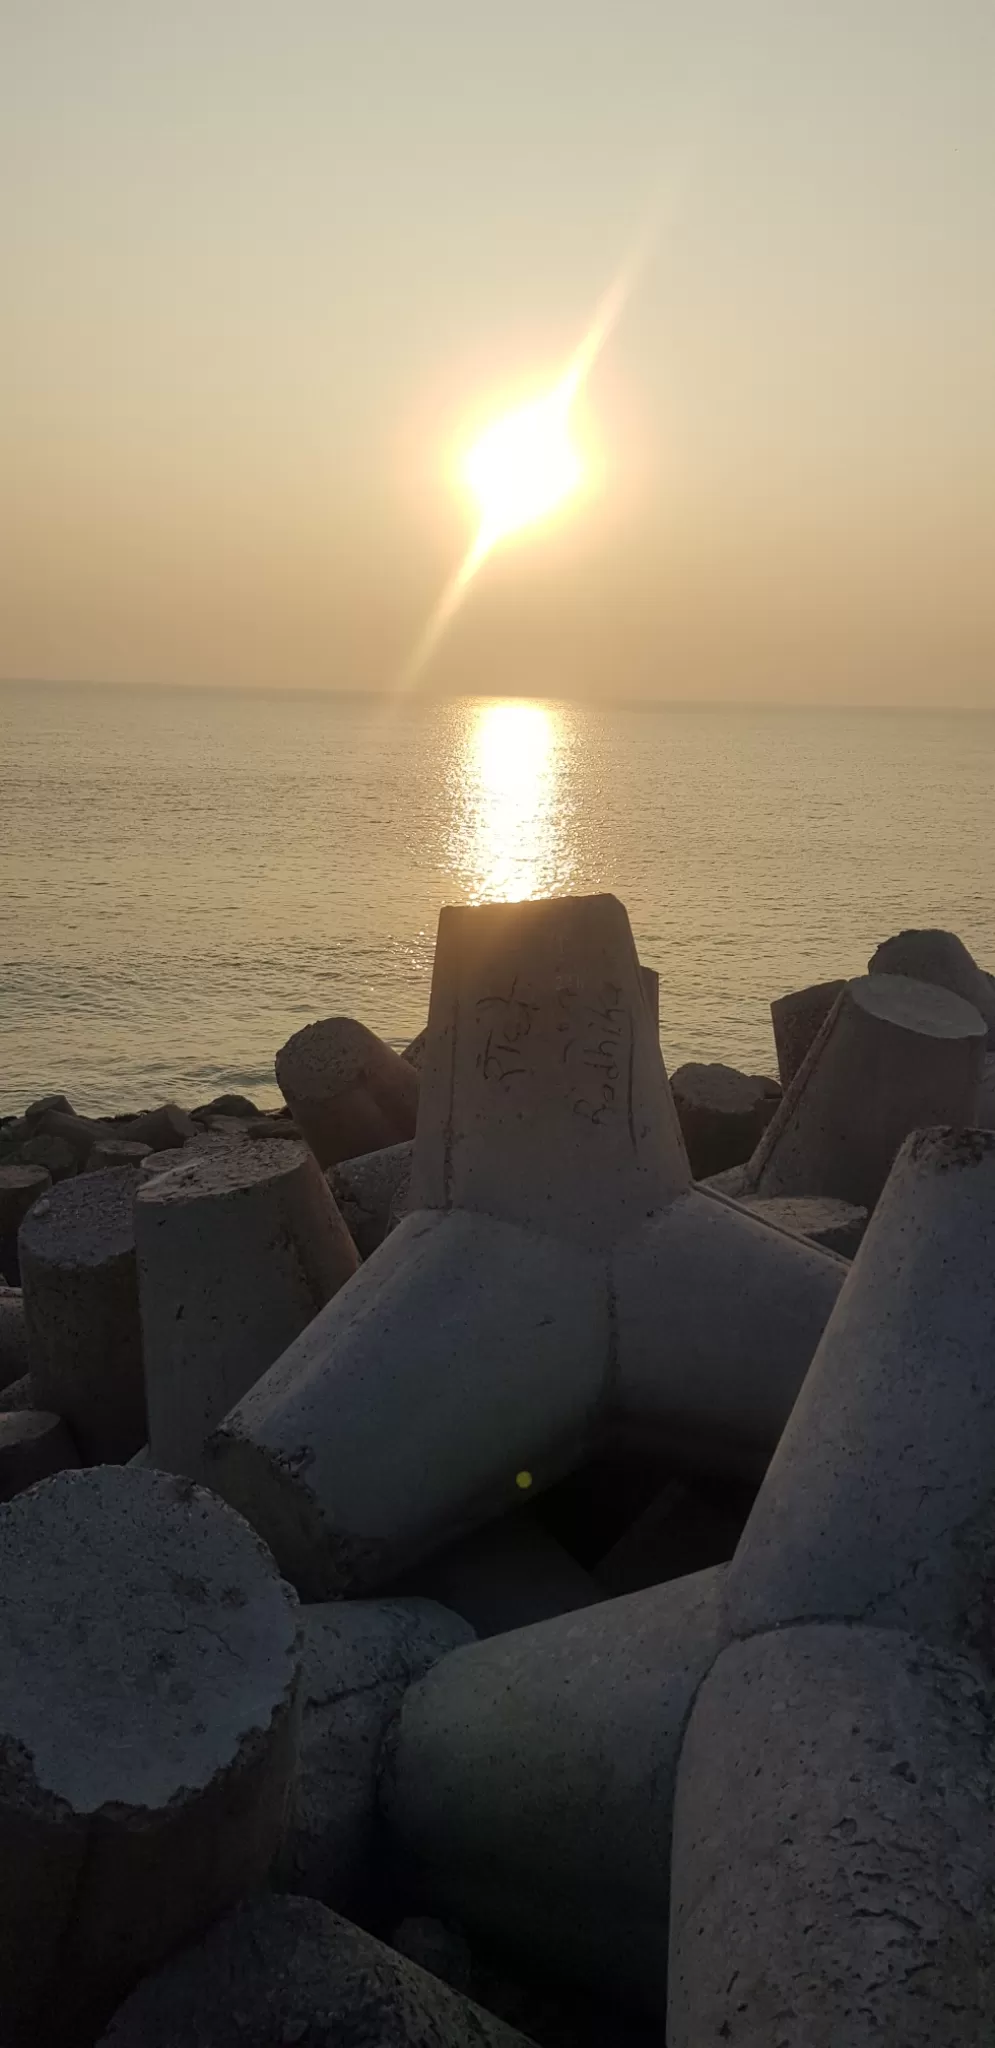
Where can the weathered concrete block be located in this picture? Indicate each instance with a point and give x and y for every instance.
(878, 1504)
(530, 1780)
(358, 1658)
(32, 1446)
(288, 1970)
(368, 1190)
(147, 1735)
(525, 1305)
(893, 1055)
(349, 1092)
(13, 1336)
(651, 994)
(238, 1249)
(108, 1152)
(943, 958)
(20, 1187)
(823, 1219)
(80, 1279)
(834, 1860)
(722, 1113)
(38, 1109)
(162, 1128)
(798, 1019)
(226, 1105)
(54, 1154)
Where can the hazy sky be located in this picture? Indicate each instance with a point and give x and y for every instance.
(262, 263)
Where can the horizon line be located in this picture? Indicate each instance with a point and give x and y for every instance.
(595, 700)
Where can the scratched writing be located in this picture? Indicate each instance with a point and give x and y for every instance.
(597, 1051)
(507, 1022)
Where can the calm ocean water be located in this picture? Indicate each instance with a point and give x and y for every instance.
(187, 877)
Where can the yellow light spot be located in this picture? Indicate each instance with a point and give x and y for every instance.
(524, 1480)
(525, 465)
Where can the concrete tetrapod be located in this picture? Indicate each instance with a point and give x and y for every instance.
(238, 1249)
(80, 1282)
(148, 1667)
(278, 1971)
(348, 1091)
(892, 1056)
(834, 1863)
(873, 1532)
(557, 1276)
(530, 1780)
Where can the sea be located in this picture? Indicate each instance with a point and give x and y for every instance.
(188, 876)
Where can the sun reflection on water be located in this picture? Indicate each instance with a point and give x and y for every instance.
(510, 842)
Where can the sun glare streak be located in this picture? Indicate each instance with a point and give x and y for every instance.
(524, 466)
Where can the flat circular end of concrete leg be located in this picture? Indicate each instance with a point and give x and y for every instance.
(919, 1006)
(145, 1640)
(85, 1221)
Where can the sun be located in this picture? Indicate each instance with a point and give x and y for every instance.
(525, 466)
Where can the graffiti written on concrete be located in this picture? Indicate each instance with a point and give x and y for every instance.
(593, 1044)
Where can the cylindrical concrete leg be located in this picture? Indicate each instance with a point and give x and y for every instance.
(349, 1092)
(77, 1252)
(716, 1388)
(149, 1659)
(892, 1056)
(798, 1019)
(834, 1860)
(530, 1782)
(238, 1249)
(878, 1502)
(20, 1186)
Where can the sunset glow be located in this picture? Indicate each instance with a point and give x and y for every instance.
(524, 466)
